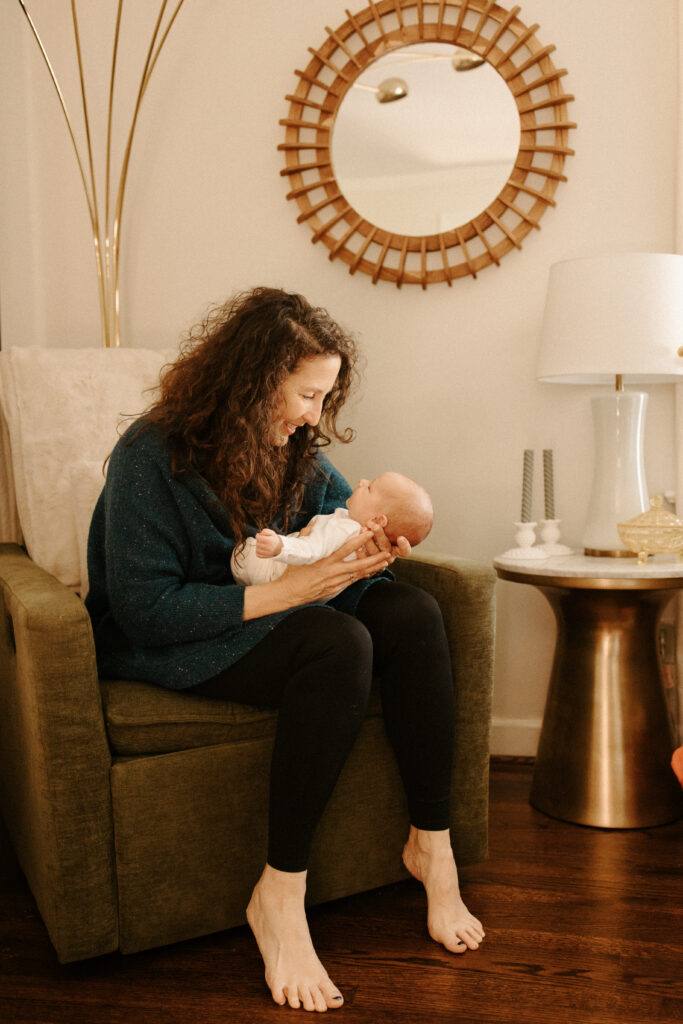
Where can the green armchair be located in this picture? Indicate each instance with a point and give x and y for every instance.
(139, 815)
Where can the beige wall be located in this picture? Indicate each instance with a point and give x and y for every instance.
(449, 394)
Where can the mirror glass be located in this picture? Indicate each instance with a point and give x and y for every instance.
(437, 157)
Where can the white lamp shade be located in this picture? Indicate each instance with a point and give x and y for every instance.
(615, 314)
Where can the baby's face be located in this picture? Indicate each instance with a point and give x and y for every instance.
(370, 497)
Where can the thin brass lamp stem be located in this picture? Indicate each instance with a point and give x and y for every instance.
(106, 243)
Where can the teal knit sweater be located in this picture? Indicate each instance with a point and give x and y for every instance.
(163, 604)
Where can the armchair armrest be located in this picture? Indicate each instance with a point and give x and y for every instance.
(465, 591)
(54, 757)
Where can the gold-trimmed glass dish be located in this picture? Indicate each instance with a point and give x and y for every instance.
(654, 532)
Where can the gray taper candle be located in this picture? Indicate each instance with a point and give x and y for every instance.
(548, 483)
(527, 484)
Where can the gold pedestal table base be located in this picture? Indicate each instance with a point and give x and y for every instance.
(604, 755)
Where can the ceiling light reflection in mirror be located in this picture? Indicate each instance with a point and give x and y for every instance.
(433, 159)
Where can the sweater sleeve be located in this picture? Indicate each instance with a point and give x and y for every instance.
(167, 575)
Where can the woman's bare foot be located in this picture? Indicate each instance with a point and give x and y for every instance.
(277, 917)
(429, 858)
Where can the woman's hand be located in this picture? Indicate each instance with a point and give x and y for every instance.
(380, 542)
(302, 584)
(329, 575)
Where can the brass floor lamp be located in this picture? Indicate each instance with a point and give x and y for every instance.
(106, 223)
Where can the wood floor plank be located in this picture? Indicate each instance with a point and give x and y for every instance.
(583, 925)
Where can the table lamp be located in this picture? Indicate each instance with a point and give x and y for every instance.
(614, 319)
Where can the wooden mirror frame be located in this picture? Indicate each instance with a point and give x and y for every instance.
(492, 32)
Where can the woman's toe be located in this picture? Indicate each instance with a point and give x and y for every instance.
(292, 997)
(308, 1000)
(320, 1001)
(332, 996)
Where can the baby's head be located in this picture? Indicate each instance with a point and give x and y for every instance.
(405, 505)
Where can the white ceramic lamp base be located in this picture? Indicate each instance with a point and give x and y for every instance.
(619, 488)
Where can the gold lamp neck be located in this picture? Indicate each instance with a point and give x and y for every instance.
(619, 383)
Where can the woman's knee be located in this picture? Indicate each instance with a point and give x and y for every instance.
(340, 646)
(417, 604)
(406, 607)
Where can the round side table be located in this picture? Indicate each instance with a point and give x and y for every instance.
(604, 755)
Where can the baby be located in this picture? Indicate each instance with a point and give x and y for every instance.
(391, 501)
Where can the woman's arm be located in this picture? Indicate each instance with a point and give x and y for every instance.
(149, 554)
(164, 575)
(307, 583)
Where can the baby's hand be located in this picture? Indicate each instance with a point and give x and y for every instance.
(268, 544)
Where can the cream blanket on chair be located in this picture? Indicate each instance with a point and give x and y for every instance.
(62, 409)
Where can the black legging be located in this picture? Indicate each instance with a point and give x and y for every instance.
(316, 667)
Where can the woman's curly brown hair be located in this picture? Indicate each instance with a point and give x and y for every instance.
(218, 399)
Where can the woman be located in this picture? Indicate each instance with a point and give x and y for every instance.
(232, 445)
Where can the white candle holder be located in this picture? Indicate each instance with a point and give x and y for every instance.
(550, 536)
(525, 537)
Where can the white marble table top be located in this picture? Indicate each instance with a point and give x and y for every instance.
(580, 566)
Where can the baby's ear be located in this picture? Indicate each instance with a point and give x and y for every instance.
(381, 520)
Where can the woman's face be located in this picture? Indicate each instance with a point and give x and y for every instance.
(302, 395)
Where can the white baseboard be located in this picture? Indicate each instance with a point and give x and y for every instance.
(515, 737)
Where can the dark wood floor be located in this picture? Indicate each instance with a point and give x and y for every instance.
(582, 925)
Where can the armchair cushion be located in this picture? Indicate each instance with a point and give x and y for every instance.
(145, 719)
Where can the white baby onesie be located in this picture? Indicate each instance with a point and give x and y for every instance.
(327, 534)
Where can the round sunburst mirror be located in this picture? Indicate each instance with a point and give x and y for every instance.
(455, 164)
